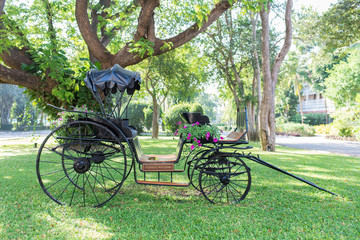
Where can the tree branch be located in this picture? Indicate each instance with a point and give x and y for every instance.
(2, 4)
(146, 24)
(95, 47)
(194, 30)
(24, 79)
(125, 58)
(51, 29)
(287, 43)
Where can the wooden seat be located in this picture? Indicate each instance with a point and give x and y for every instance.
(233, 137)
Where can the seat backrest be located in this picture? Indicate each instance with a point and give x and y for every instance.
(140, 153)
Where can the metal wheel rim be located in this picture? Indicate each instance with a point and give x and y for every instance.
(220, 183)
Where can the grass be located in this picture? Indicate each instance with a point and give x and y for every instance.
(277, 207)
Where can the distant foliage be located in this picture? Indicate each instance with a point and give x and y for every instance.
(295, 129)
(136, 115)
(312, 119)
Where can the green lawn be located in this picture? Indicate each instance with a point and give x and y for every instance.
(277, 207)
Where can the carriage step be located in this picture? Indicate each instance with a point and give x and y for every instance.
(159, 167)
(163, 183)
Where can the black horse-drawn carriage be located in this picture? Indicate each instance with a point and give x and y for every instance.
(86, 160)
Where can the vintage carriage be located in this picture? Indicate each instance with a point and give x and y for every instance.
(86, 160)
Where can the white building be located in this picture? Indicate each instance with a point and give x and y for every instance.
(314, 102)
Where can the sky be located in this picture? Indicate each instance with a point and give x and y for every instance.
(321, 5)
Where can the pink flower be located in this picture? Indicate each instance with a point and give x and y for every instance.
(194, 139)
(192, 147)
(60, 119)
(198, 141)
(185, 127)
(221, 138)
(215, 140)
(197, 123)
(192, 125)
(176, 133)
(207, 134)
(188, 138)
(207, 138)
(199, 145)
(178, 123)
(189, 134)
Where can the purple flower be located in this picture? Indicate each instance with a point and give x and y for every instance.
(192, 147)
(215, 140)
(194, 139)
(188, 138)
(207, 138)
(176, 133)
(198, 141)
(185, 127)
(197, 123)
(207, 134)
(60, 119)
(189, 134)
(178, 123)
(192, 125)
(221, 138)
(199, 145)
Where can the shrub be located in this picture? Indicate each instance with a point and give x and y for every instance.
(136, 116)
(346, 122)
(148, 113)
(6, 127)
(295, 129)
(173, 115)
(310, 118)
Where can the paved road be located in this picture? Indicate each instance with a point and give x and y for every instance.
(317, 143)
(320, 143)
(15, 134)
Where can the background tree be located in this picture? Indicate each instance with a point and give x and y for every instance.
(7, 98)
(343, 83)
(270, 75)
(340, 24)
(169, 74)
(36, 39)
(231, 54)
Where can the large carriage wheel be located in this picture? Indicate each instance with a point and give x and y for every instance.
(225, 178)
(81, 163)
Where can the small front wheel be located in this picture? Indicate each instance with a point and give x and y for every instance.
(225, 178)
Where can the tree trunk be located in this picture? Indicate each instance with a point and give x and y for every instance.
(301, 108)
(270, 76)
(155, 119)
(252, 134)
(257, 72)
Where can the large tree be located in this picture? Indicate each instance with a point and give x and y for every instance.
(270, 73)
(115, 32)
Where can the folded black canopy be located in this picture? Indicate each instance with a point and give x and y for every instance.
(112, 80)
